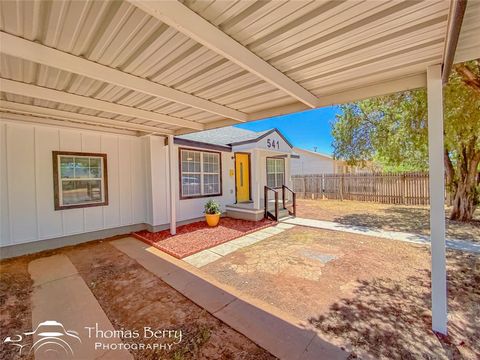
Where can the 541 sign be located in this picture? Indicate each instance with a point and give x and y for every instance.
(273, 144)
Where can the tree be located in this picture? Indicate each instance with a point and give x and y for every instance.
(392, 130)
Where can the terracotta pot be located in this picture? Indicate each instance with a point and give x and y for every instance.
(212, 219)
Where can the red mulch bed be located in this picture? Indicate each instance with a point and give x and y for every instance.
(198, 236)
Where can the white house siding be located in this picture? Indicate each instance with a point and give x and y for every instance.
(157, 181)
(259, 151)
(311, 164)
(26, 194)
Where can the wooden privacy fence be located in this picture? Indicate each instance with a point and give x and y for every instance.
(387, 188)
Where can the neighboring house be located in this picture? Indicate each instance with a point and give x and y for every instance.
(61, 186)
(311, 162)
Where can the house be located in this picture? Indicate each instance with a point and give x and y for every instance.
(62, 186)
(116, 78)
(307, 162)
(312, 162)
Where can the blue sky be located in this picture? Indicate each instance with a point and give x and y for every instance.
(305, 129)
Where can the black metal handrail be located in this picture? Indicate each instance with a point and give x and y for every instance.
(266, 189)
(294, 200)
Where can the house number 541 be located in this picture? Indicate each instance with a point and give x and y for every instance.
(273, 144)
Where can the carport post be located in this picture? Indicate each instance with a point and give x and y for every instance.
(173, 193)
(437, 202)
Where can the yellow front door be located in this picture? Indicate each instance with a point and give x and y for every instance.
(242, 177)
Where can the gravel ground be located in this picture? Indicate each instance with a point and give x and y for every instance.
(364, 293)
(414, 219)
(198, 236)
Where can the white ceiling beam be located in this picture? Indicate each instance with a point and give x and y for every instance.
(76, 117)
(60, 123)
(180, 17)
(377, 89)
(39, 92)
(41, 54)
(384, 88)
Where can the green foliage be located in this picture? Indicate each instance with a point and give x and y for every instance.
(212, 207)
(392, 130)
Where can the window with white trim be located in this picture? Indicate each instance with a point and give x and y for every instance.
(275, 172)
(80, 180)
(200, 173)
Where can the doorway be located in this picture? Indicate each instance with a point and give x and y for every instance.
(242, 177)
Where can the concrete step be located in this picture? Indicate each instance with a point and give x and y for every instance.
(282, 213)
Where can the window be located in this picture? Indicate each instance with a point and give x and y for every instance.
(200, 173)
(80, 180)
(275, 172)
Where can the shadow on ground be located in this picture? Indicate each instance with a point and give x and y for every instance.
(391, 321)
(413, 220)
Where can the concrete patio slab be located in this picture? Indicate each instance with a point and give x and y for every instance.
(317, 346)
(245, 241)
(45, 269)
(208, 256)
(277, 332)
(180, 275)
(206, 293)
(284, 226)
(272, 230)
(385, 234)
(225, 248)
(258, 323)
(202, 258)
(260, 235)
(60, 295)
(143, 250)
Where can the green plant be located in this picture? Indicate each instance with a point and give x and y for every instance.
(212, 207)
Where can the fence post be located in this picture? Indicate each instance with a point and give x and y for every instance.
(341, 186)
(404, 183)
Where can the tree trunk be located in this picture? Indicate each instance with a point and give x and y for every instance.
(463, 204)
(466, 196)
(450, 177)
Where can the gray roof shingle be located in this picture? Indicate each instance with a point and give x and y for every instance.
(223, 136)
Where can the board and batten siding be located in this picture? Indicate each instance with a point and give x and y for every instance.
(26, 195)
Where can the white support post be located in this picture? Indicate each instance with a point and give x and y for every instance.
(437, 202)
(173, 192)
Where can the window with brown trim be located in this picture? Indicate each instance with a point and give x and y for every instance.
(80, 179)
(275, 172)
(200, 173)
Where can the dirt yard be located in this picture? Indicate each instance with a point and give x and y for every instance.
(15, 309)
(367, 294)
(132, 297)
(414, 219)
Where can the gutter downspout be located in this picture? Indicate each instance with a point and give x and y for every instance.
(457, 12)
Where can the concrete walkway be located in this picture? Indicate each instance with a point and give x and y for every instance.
(205, 257)
(61, 298)
(277, 332)
(391, 235)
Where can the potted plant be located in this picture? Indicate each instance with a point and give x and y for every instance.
(212, 213)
